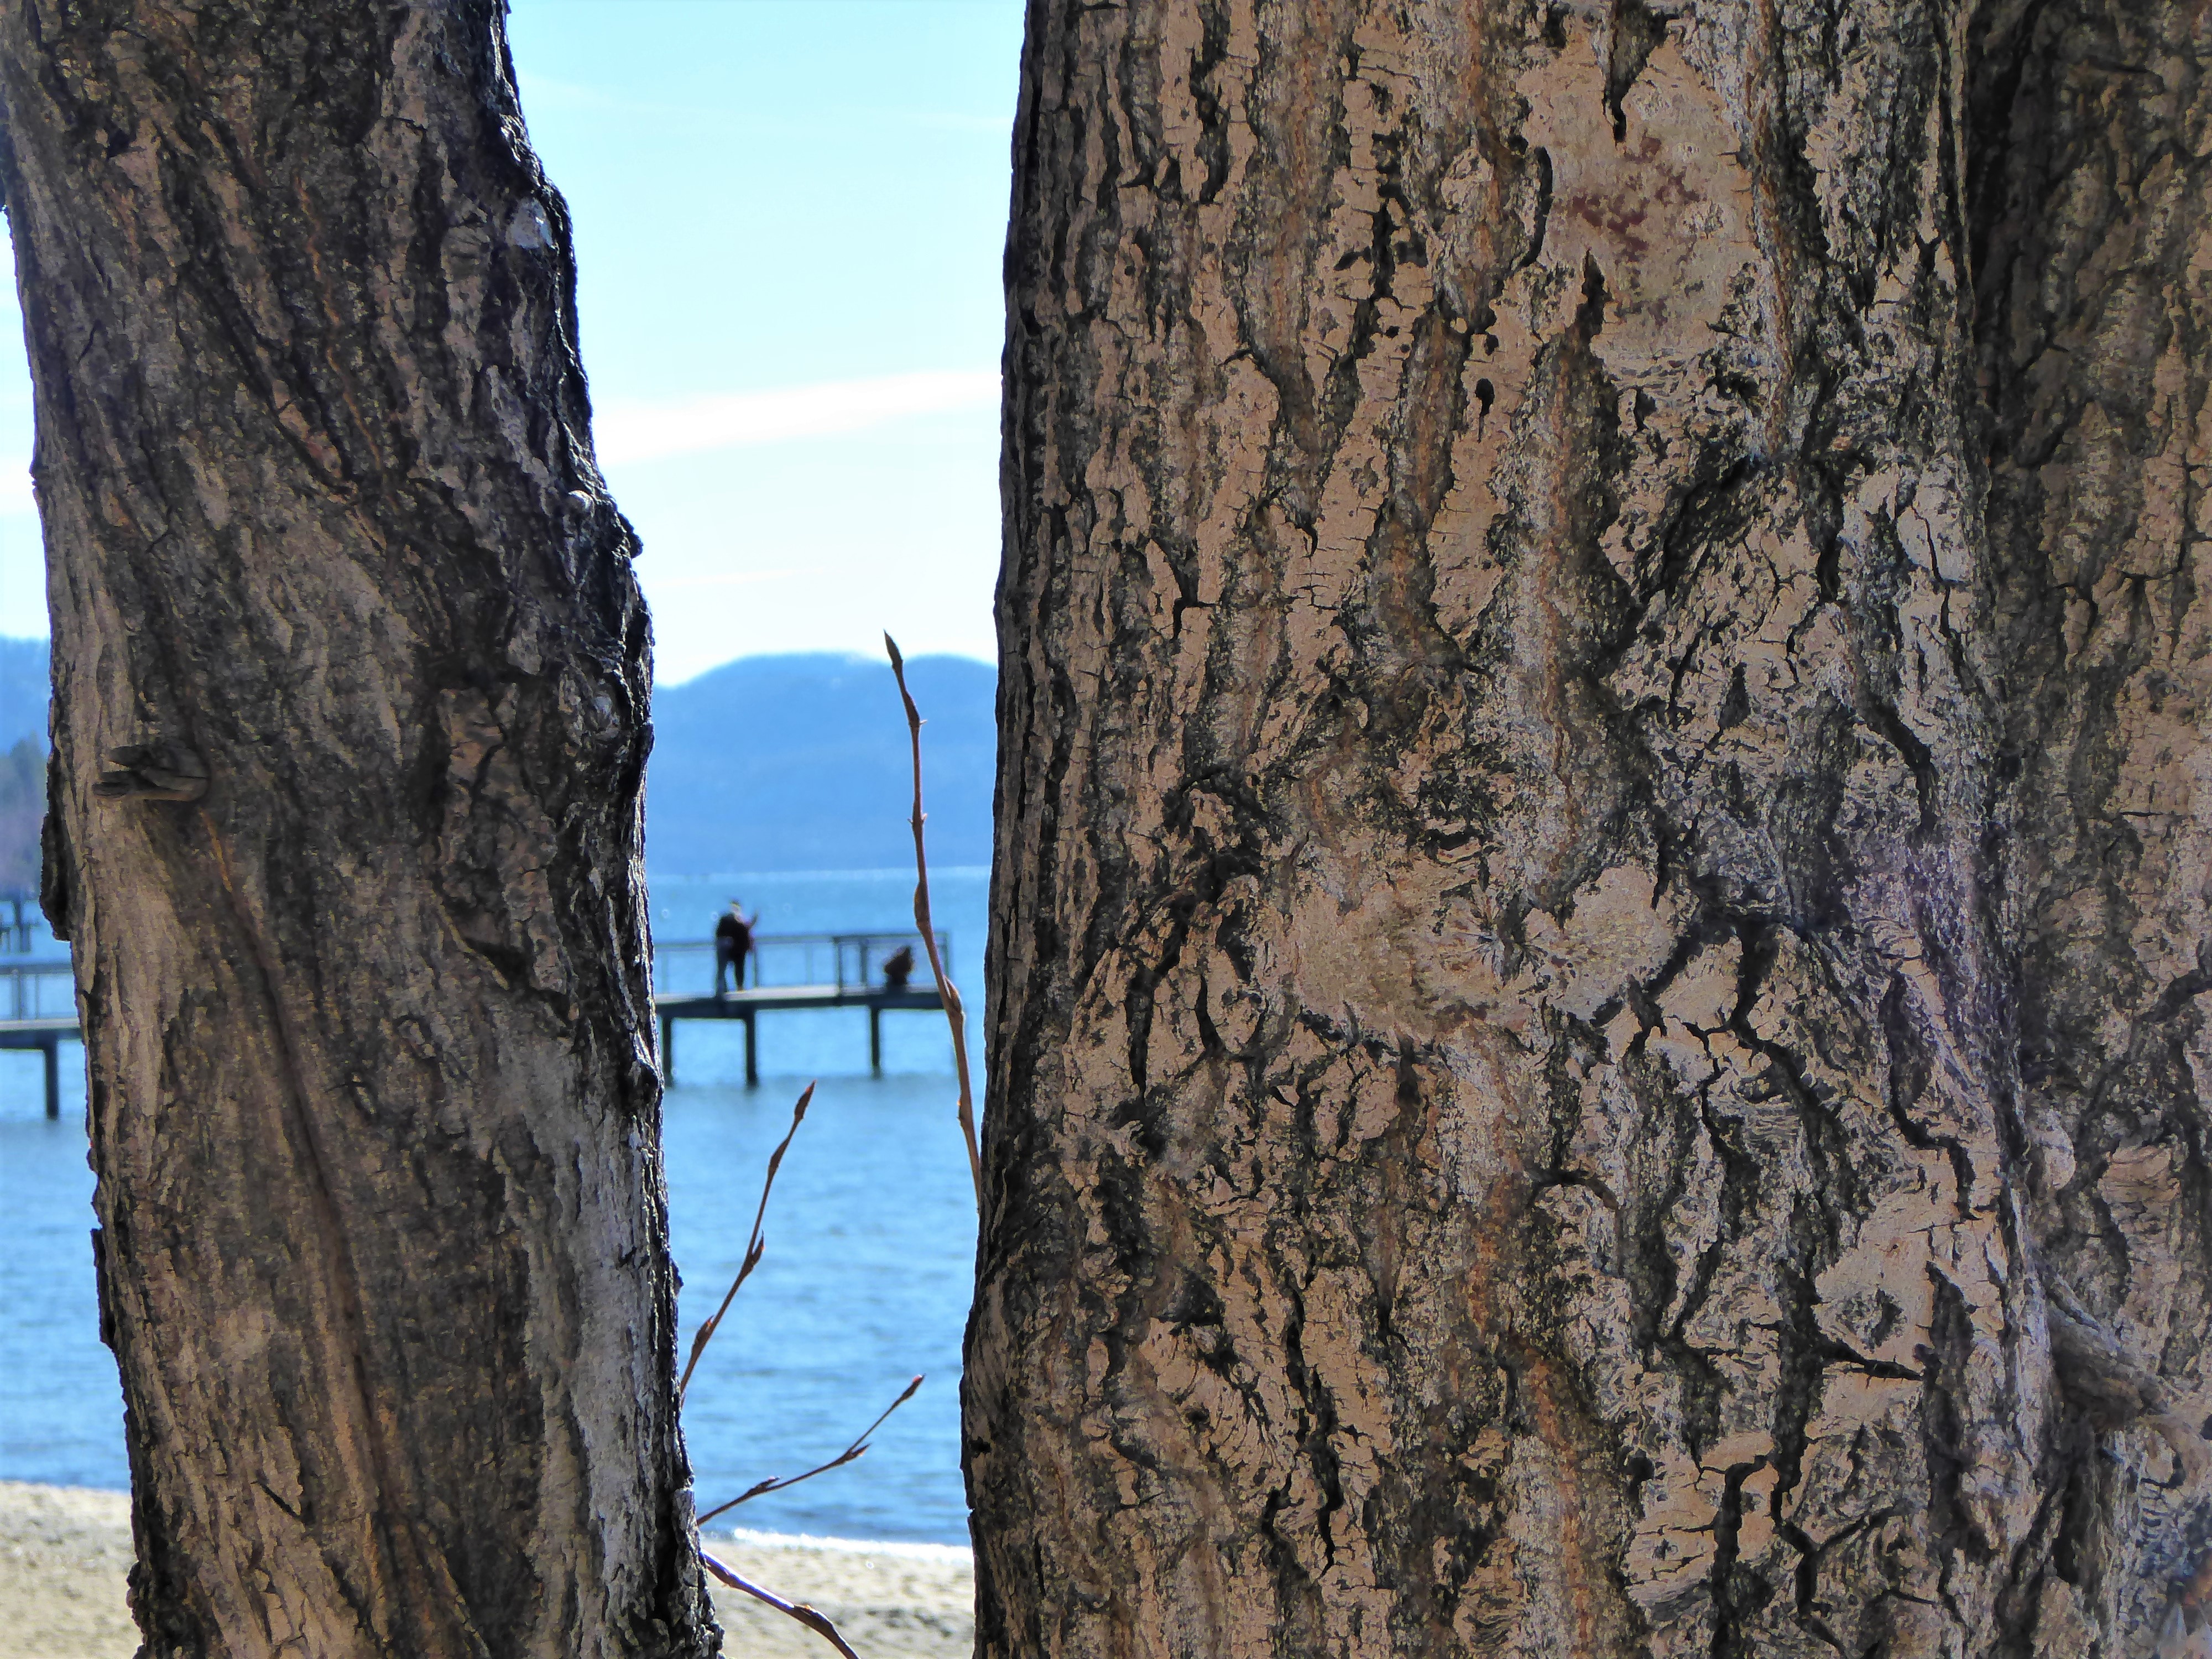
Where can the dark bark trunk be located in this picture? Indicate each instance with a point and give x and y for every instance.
(2095, 335)
(1600, 908)
(350, 714)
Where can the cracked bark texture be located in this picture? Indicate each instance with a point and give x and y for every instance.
(1599, 931)
(373, 1102)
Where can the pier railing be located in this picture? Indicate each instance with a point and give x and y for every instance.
(38, 990)
(38, 999)
(38, 1010)
(851, 962)
(20, 922)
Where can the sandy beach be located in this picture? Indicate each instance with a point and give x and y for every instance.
(64, 1551)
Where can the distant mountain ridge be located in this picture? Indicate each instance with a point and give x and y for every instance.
(766, 763)
(800, 762)
(22, 691)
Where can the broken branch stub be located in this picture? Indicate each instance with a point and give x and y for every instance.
(153, 771)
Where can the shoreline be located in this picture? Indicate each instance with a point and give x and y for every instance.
(906, 1547)
(64, 1551)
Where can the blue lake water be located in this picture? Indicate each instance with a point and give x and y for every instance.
(871, 1238)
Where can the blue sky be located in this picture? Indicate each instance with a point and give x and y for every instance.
(789, 215)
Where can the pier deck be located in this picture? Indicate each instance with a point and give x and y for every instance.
(750, 1004)
(46, 1036)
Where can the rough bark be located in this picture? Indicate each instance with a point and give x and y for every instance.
(1599, 924)
(350, 714)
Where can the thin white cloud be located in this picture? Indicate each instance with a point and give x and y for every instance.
(656, 583)
(651, 431)
(689, 426)
(544, 90)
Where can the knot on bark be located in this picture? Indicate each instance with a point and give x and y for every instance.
(2108, 1386)
(2092, 1365)
(153, 771)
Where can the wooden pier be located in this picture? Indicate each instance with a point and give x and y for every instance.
(854, 962)
(46, 1036)
(38, 1010)
(33, 994)
(749, 1005)
(20, 920)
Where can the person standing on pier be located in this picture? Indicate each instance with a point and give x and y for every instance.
(734, 943)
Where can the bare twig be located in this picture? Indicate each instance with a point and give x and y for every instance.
(817, 1622)
(814, 1621)
(777, 1483)
(755, 1247)
(955, 1016)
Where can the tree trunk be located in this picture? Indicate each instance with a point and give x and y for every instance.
(1600, 925)
(350, 713)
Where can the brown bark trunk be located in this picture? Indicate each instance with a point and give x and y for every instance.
(358, 918)
(1600, 908)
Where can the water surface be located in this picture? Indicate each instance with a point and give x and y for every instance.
(871, 1243)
